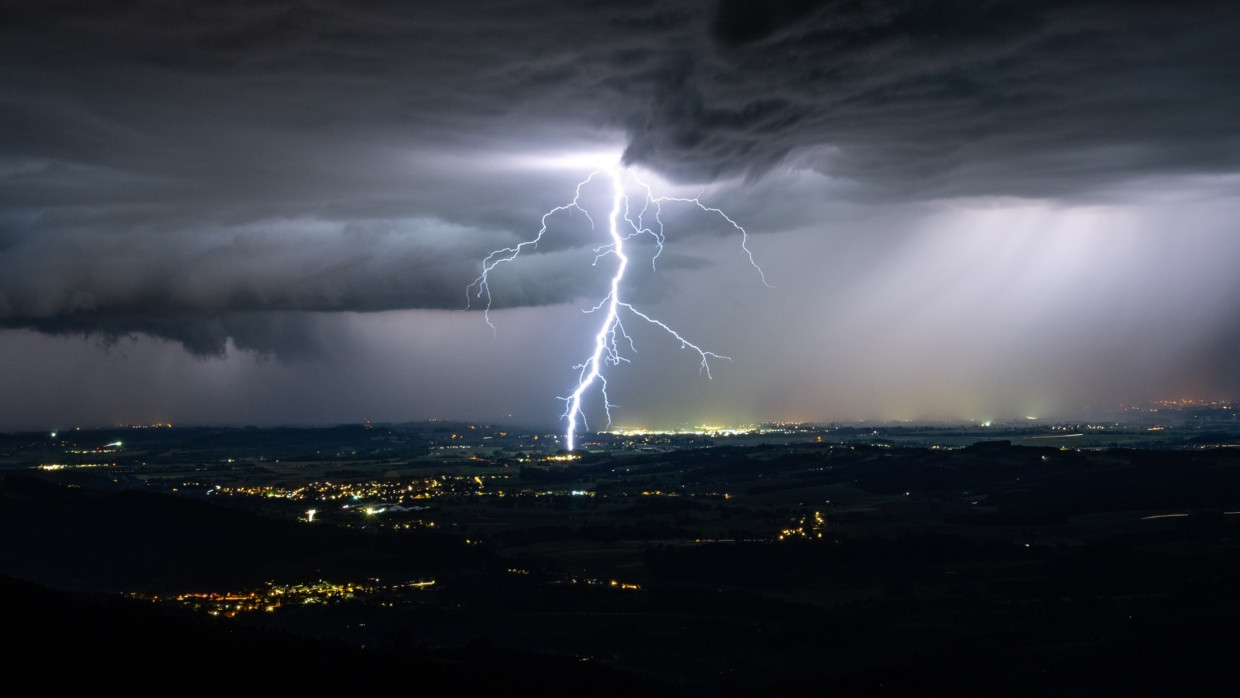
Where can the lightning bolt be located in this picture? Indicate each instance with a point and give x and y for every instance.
(625, 222)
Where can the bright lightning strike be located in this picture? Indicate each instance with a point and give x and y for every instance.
(625, 221)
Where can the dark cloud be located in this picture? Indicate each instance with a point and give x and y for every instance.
(954, 97)
(915, 87)
(208, 171)
(291, 336)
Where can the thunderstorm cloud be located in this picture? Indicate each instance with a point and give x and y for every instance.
(266, 176)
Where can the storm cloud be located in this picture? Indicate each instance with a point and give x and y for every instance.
(953, 98)
(242, 175)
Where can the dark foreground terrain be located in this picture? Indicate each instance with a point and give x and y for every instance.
(842, 568)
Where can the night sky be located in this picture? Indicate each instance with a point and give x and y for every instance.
(269, 212)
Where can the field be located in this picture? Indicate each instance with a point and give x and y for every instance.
(1012, 565)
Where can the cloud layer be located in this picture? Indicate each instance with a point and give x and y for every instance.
(234, 174)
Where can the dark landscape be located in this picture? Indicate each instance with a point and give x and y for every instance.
(456, 559)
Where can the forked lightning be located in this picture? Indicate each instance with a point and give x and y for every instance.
(625, 222)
